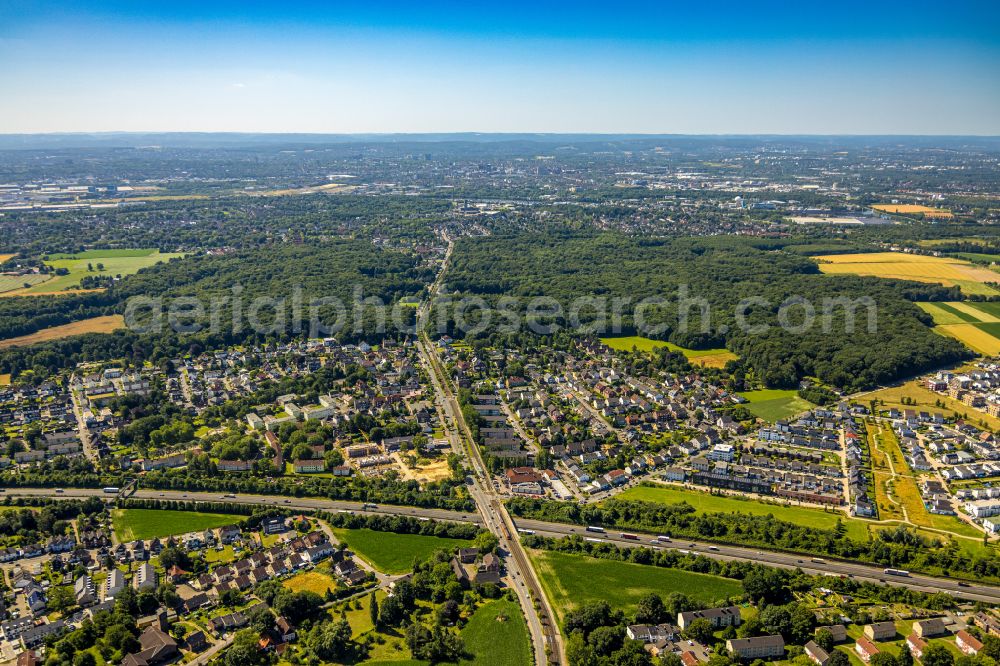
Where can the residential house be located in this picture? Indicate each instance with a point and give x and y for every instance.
(916, 645)
(968, 643)
(718, 617)
(880, 631)
(145, 578)
(758, 647)
(929, 628)
(816, 654)
(865, 649)
(156, 646)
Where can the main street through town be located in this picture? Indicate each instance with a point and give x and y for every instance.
(545, 637)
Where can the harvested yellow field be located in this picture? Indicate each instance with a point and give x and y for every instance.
(972, 336)
(714, 360)
(913, 209)
(921, 268)
(5, 379)
(940, 315)
(978, 314)
(65, 292)
(105, 324)
(5, 257)
(311, 581)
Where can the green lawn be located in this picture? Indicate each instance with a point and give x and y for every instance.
(571, 580)
(775, 404)
(393, 553)
(101, 254)
(707, 503)
(498, 636)
(115, 262)
(132, 524)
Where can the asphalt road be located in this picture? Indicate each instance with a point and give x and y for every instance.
(971, 591)
(294, 503)
(831, 567)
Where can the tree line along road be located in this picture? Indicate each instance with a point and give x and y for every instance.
(974, 592)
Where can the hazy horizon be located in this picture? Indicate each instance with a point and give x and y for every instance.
(722, 68)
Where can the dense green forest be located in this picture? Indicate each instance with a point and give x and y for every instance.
(345, 270)
(723, 271)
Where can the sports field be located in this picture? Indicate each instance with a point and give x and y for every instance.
(571, 580)
(393, 553)
(712, 358)
(105, 324)
(913, 209)
(708, 503)
(112, 263)
(775, 404)
(902, 266)
(132, 524)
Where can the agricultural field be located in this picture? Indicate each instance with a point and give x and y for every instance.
(132, 524)
(712, 358)
(775, 404)
(6, 257)
(708, 503)
(106, 324)
(311, 581)
(571, 580)
(112, 263)
(950, 272)
(913, 209)
(12, 282)
(393, 553)
(976, 325)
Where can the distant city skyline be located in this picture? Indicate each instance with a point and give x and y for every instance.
(693, 68)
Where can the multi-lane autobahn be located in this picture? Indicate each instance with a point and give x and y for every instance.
(831, 567)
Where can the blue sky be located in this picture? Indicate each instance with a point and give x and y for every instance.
(667, 67)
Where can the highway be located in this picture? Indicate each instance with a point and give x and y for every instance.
(831, 567)
(293, 503)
